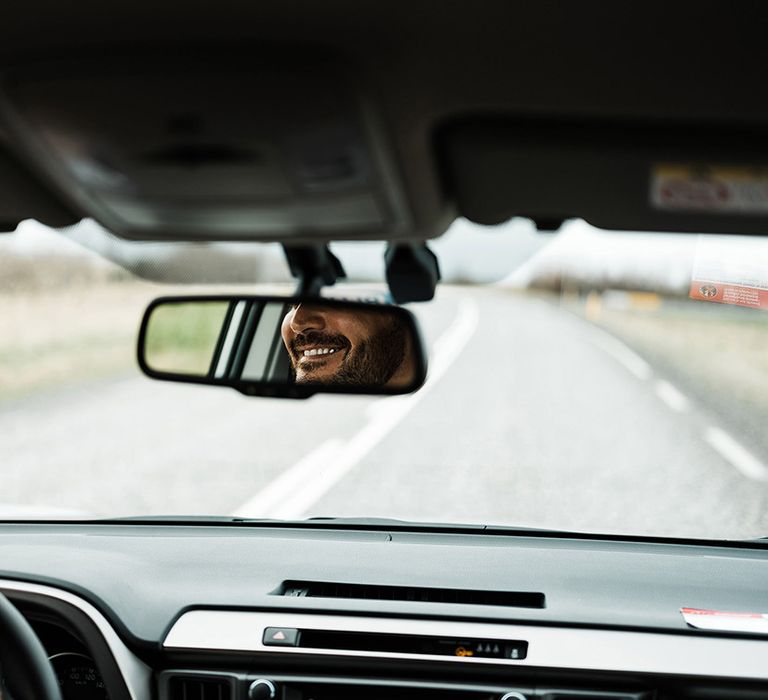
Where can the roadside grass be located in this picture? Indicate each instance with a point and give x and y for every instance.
(719, 352)
(55, 338)
(51, 338)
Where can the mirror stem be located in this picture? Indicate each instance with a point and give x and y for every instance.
(314, 266)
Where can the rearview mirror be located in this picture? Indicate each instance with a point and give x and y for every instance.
(278, 346)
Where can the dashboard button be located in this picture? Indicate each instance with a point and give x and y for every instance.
(281, 637)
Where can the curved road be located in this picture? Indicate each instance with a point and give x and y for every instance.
(531, 417)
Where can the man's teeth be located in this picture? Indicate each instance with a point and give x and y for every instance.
(319, 351)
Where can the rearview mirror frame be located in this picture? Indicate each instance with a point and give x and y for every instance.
(250, 387)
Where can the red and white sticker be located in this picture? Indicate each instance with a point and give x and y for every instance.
(721, 621)
(710, 189)
(731, 270)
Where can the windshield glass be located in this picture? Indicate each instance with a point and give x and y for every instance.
(585, 380)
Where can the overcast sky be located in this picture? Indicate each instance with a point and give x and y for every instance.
(513, 253)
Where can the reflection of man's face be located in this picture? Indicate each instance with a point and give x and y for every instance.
(330, 345)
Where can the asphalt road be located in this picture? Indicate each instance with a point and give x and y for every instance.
(531, 417)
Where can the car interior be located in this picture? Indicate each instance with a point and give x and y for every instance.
(306, 124)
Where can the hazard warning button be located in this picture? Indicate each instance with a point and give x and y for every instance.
(281, 637)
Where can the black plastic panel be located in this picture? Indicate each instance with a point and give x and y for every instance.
(412, 644)
(327, 589)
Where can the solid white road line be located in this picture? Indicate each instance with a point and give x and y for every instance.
(737, 455)
(621, 353)
(293, 493)
(671, 395)
(281, 489)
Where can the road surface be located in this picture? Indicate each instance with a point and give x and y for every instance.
(531, 417)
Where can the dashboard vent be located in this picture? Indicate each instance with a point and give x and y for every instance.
(316, 589)
(197, 688)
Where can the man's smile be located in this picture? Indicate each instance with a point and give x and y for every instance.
(318, 349)
(319, 353)
(320, 356)
(313, 352)
(329, 346)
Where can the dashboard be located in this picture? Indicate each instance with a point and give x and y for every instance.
(194, 612)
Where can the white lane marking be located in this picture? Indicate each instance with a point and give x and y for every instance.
(736, 454)
(300, 487)
(671, 395)
(280, 490)
(621, 353)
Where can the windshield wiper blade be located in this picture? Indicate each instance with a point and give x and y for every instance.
(391, 525)
(376, 523)
(315, 521)
(202, 519)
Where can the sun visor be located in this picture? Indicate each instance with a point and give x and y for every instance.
(233, 148)
(615, 176)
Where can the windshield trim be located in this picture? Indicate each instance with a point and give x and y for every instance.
(363, 525)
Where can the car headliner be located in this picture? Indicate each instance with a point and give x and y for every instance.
(665, 81)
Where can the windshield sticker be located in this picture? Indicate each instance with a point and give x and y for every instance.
(717, 189)
(717, 620)
(731, 270)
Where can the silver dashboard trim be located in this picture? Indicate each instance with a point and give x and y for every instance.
(136, 674)
(549, 647)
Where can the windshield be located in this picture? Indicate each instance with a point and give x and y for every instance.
(584, 381)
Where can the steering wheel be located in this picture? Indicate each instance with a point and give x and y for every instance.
(25, 672)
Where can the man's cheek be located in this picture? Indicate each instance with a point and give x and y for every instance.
(286, 336)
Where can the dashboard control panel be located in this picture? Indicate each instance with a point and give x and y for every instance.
(476, 647)
(183, 684)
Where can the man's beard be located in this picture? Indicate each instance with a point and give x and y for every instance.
(372, 362)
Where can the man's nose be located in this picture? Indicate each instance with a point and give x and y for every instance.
(307, 318)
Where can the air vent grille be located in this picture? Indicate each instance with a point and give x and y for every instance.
(316, 589)
(196, 688)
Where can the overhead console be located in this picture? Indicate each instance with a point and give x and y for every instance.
(210, 147)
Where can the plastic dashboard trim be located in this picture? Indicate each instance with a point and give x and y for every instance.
(136, 674)
(549, 647)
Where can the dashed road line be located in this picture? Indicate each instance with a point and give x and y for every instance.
(724, 444)
(736, 454)
(295, 491)
(671, 395)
